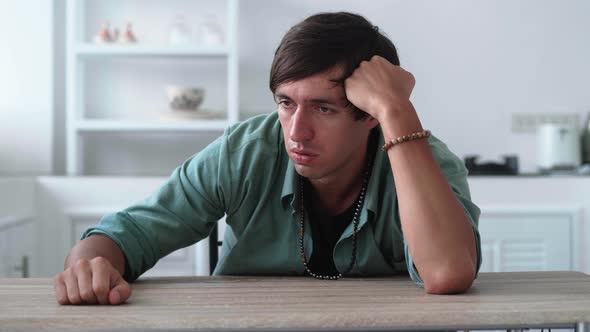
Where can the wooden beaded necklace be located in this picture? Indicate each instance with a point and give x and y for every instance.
(355, 223)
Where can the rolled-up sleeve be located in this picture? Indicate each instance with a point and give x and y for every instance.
(181, 212)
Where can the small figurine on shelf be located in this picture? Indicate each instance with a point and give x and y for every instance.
(104, 35)
(180, 33)
(115, 34)
(212, 31)
(127, 37)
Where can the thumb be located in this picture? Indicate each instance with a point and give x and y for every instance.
(120, 292)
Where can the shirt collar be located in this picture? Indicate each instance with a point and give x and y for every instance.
(374, 192)
(377, 175)
(289, 183)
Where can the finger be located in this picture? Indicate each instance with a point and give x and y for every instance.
(101, 284)
(121, 290)
(377, 58)
(61, 295)
(71, 282)
(84, 275)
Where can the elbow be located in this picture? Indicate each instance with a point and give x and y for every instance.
(448, 281)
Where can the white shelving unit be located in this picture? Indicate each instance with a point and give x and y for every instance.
(86, 126)
(80, 51)
(90, 50)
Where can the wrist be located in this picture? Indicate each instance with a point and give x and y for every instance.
(399, 122)
(406, 138)
(392, 111)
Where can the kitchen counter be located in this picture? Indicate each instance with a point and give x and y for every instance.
(496, 300)
(531, 175)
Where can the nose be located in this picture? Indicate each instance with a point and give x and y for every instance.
(301, 126)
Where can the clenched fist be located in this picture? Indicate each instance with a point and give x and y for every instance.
(91, 281)
(378, 87)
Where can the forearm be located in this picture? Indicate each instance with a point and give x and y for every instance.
(437, 230)
(97, 246)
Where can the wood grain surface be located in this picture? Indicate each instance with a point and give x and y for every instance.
(302, 303)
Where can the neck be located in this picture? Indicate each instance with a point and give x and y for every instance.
(337, 193)
(335, 199)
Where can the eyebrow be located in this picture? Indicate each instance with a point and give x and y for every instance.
(313, 100)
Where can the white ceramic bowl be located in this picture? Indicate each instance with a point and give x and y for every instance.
(181, 98)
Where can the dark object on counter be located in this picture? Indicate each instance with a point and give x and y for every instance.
(509, 167)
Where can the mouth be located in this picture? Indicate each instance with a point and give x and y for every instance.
(302, 157)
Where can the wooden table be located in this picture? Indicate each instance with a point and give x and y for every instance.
(497, 300)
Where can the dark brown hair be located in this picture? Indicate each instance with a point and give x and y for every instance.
(325, 40)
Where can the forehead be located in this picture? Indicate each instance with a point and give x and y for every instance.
(317, 85)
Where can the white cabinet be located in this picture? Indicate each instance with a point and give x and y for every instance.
(118, 118)
(17, 246)
(533, 223)
(529, 239)
(18, 228)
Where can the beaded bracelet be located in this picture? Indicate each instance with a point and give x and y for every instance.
(406, 138)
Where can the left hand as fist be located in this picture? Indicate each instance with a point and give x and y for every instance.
(379, 88)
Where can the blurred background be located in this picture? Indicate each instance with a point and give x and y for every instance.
(100, 100)
(479, 65)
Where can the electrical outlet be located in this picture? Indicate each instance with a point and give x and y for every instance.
(529, 122)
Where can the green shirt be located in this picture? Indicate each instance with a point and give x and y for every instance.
(247, 176)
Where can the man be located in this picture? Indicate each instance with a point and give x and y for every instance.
(306, 189)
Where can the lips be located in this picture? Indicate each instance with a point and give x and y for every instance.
(302, 156)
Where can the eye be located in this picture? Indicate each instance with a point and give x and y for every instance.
(285, 104)
(324, 109)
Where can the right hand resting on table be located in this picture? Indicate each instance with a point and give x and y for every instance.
(91, 281)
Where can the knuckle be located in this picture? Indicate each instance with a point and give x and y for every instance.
(81, 264)
(75, 299)
(62, 299)
(68, 274)
(58, 278)
(86, 296)
(101, 290)
(100, 261)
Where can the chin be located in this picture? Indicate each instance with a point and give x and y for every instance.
(307, 172)
(304, 171)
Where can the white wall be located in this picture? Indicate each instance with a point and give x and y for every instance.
(475, 62)
(26, 86)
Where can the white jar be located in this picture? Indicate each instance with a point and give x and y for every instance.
(180, 33)
(212, 31)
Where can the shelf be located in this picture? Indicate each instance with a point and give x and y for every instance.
(85, 81)
(87, 49)
(87, 126)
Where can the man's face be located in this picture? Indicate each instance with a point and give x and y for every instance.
(322, 138)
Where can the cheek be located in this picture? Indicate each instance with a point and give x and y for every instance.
(284, 120)
(347, 137)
